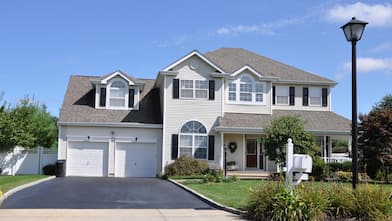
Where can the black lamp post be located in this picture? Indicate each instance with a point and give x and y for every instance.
(353, 31)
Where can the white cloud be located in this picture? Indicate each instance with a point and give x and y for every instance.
(367, 64)
(263, 29)
(386, 46)
(376, 15)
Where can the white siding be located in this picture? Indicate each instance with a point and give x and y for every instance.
(109, 134)
(179, 111)
(298, 100)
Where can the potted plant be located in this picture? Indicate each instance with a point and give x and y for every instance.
(231, 165)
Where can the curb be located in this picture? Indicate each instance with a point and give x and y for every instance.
(24, 186)
(210, 201)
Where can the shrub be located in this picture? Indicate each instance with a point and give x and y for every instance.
(186, 166)
(216, 176)
(335, 167)
(316, 199)
(261, 199)
(347, 166)
(49, 169)
(372, 203)
(343, 176)
(340, 200)
(319, 169)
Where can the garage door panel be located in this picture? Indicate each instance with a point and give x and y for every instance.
(87, 159)
(135, 160)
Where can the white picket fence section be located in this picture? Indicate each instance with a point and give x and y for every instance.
(26, 161)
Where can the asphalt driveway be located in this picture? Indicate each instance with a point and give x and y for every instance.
(104, 193)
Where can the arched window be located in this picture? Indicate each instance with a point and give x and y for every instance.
(193, 140)
(117, 94)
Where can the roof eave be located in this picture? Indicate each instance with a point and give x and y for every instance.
(110, 124)
(329, 83)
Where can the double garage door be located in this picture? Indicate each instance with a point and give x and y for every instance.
(92, 159)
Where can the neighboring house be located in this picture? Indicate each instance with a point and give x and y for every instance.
(118, 125)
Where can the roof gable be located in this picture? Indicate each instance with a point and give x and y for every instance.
(119, 73)
(186, 57)
(250, 69)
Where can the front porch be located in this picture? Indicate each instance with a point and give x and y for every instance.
(245, 154)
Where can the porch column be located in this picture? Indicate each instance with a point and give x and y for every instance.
(349, 145)
(222, 151)
(243, 152)
(325, 148)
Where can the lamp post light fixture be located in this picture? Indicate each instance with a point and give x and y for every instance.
(353, 31)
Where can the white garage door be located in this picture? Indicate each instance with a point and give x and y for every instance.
(135, 160)
(87, 159)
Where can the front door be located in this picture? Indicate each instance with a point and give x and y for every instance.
(251, 153)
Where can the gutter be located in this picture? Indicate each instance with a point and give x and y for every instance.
(261, 131)
(110, 124)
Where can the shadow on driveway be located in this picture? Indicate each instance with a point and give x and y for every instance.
(104, 193)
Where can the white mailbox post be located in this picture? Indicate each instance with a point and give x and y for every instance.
(300, 164)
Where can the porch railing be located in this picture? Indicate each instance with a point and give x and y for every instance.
(336, 159)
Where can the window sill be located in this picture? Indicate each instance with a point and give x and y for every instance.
(193, 99)
(246, 103)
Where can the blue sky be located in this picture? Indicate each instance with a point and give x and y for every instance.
(42, 43)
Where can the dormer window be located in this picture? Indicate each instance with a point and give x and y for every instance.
(246, 90)
(118, 92)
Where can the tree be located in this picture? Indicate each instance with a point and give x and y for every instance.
(385, 103)
(27, 125)
(375, 140)
(280, 130)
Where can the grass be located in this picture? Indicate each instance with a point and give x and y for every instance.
(236, 194)
(233, 194)
(10, 182)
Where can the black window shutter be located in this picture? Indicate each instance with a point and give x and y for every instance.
(292, 96)
(211, 90)
(305, 96)
(325, 97)
(102, 97)
(131, 100)
(174, 149)
(211, 149)
(176, 88)
(273, 94)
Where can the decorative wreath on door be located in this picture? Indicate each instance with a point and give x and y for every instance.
(232, 147)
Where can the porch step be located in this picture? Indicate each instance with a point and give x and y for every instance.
(250, 174)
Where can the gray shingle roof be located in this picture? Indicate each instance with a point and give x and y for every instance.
(79, 100)
(232, 59)
(325, 121)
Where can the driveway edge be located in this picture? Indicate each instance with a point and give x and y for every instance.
(24, 186)
(210, 201)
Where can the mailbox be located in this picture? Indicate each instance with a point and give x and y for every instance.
(302, 163)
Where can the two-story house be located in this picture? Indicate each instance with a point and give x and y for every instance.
(119, 125)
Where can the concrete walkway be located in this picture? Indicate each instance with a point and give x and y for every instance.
(115, 215)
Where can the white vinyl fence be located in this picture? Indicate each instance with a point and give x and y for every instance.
(26, 161)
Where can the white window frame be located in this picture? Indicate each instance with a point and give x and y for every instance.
(282, 91)
(194, 89)
(193, 135)
(109, 96)
(312, 92)
(237, 82)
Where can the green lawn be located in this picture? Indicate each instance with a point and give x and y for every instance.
(233, 194)
(236, 194)
(9, 182)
